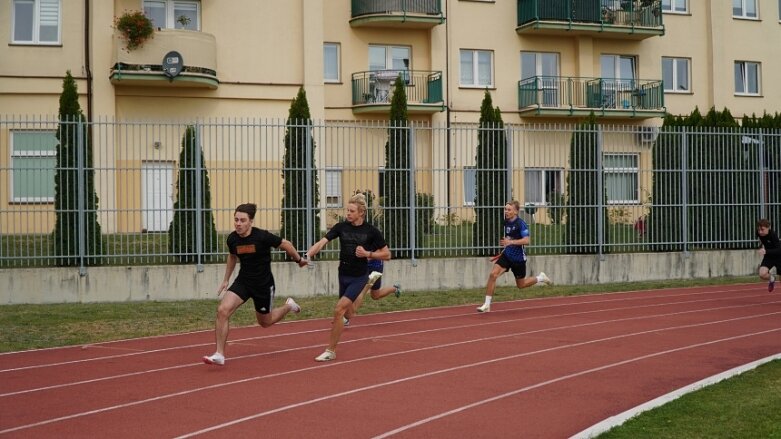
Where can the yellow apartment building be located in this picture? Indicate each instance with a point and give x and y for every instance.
(543, 61)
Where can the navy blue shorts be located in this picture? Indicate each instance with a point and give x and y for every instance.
(351, 286)
(262, 297)
(518, 268)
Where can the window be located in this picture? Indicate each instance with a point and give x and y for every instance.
(476, 68)
(470, 185)
(545, 67)
(333, 188)
(172, 14)
(621, 178)
(33, 161)
(539, 184)
(36, 21)
(618, 81)
(389, 57)
(381, 183)
(675, 74)
(331, 62)
(747, 77)
(744, 8)
(678, 6)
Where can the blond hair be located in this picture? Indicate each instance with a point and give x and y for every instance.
(359, 200)
(515, 204)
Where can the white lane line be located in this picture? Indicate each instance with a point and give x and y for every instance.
(497, 322)
(563, 378)
(471, 313)
(391, 354)
(622, 417)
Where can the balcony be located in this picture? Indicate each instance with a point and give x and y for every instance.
(406, 14)
(606, 97)
(373, 90)
(620, 19)
(143, 66)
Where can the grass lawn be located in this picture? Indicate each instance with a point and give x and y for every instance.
(748, 406)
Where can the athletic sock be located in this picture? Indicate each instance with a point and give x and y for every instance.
(488, 300)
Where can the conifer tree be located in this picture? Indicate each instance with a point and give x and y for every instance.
(490, 179)
(396, 188)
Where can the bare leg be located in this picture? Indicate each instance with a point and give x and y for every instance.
(383, 292)
(337, 325)
(764, 273)
(228, 305)
(277, 314)
(490, 286)
(525, 282)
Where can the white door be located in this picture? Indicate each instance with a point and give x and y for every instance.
(157, 201)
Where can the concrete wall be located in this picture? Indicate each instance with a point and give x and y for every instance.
(121, 284)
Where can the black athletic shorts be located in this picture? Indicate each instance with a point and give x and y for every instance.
(263, 297)
(518, 268)
(770, 262)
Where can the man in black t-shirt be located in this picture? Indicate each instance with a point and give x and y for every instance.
(252, 248)
(355, 237)
(770, 249)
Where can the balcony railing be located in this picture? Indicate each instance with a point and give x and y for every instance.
(143, 66)
(557, 95)
(643, 17)
(412, 13)
(374, 89)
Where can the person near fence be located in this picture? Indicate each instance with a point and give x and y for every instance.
(770, 250)
(355, 237)
(251, 247)
(513, 255)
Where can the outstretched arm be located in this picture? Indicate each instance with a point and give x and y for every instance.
(316, 247)
(287, 246)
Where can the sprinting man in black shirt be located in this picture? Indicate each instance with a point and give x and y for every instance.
(355, 237)
(770, 249)
(252, 247)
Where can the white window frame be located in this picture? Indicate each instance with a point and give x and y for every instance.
(338, 62)
(475, 68)
(389, 58)
(333, 190)
(29, 154)
(548, 85)
(675, 87)
(674, 6)
(743, 66)
(36, 24)
(743, 9)
(170, 15)
(469, 178)
(632, 170)
(542, 183)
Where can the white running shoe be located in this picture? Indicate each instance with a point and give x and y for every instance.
(345, 321)
(217, 359)
(328, 355)
(545, 279)
(374, 276)
(293, 305)
(485, 308)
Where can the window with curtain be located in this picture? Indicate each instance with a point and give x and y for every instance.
(470, 185)
(539, 184)
(174, 14)
(476, 68)
(36, 21)
(744, 9)
(389, 57)
(33, 162)
(675, 74)
(622, 182)
(333, 188)
(331, 62)
(747, 78)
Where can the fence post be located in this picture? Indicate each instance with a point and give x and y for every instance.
(198, 198)
(508, 143)
(762, 199)
(309, 186)
(412, 195)
(684, 191)
(600, 197)
(80, 196)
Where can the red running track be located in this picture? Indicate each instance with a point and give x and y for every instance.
(532, 368)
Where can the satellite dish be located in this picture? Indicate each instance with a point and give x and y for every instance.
(173, 64)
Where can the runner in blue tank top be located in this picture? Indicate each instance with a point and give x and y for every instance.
(513, 255)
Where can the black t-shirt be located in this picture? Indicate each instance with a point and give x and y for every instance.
(254, 253)
(771, 243)
(350, 237)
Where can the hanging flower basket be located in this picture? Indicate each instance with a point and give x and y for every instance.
(135, 28)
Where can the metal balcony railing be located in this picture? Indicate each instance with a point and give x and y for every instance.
(376, 86)
(590, 93)
(628, 13)
(367, 7)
